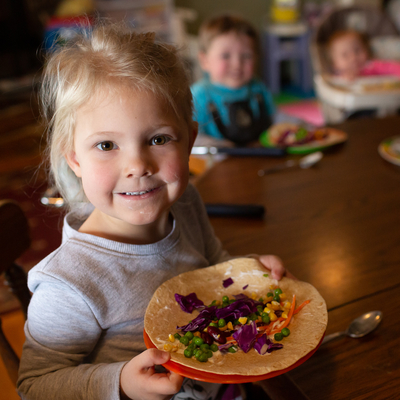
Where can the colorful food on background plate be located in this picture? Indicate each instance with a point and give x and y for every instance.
(254, 326)
(287, 134)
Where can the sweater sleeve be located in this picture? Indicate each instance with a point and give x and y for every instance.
(61, 331)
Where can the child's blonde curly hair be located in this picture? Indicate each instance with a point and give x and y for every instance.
(109, 58)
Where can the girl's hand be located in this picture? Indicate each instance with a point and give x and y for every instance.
(139, 381)
(275, 265)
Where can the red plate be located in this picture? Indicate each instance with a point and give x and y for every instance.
(218, 378)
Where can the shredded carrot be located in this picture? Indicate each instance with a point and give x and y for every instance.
(301, 306)
(287, 321)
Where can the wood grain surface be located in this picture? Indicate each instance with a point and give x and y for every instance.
(337, 226)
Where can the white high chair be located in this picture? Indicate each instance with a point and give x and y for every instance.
(378, 96)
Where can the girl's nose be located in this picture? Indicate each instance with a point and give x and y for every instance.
(138, 165)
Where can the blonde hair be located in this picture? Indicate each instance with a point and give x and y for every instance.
(108, 58)
(224, 24)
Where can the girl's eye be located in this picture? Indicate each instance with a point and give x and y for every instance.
(106, 146)
(159, 140)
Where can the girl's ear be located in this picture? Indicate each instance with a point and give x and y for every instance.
(73, 163)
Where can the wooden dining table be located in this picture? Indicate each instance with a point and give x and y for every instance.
(335, 225)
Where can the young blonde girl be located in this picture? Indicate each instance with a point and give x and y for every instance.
(119, 109)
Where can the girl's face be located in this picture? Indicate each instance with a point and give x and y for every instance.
(229, 60)
(131, 153)
(348, 55)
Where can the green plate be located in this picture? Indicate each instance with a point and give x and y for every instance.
(335, 136)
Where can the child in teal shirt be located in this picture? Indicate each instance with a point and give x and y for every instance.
(229, 102)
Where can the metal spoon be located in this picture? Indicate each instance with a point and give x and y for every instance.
(360, 327)
(304, 162)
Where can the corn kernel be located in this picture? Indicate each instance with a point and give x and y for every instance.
(242, 320)
(284, 315)
(222, 328)
(171, 338)
(167, 347)
(272, 287)
(230, 326)
(272, 316)
(253, 296)
(198, 334)
(287, 304)
(267, 310)
(275, 305)
(269, 299)
(269, 305)
(282, 296)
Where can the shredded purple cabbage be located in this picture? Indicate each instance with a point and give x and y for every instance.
(240, 296)
(245, 287)
(223, 348)
(227, 282)
(246, 336)
(261, 344)
(240, 308)
(264, 345)
(201, 321)
(188, 303)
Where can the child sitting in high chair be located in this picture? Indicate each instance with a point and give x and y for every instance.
(119, 109)
(349, 54)
(230, 103)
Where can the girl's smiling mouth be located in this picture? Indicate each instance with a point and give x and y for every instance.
(139, 192)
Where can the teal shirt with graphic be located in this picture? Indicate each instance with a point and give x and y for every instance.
(205, 92)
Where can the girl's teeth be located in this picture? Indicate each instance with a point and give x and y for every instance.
(137, 193)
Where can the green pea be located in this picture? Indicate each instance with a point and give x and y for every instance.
(184, 340)
(252, 317)
(236, 322)
(221, 323)
(202, 357)
(192, 346)
(261, 300)
(231, 301)
(225, 299)
(188, 353)
(205, 347)
(278, 291)
(177, 336)
(285, 332)
(209, 353)
(214, 347)
(214, 302)
(232, 349)
(225, 304)
(277, 298)
(197, 340)
(213, 324)
(189, 335)
(197, 353)
(278, 336)
(265, 318)
(260, 309)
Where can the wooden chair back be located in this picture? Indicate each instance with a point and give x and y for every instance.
(14, 241)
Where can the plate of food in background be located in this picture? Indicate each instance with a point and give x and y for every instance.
(297, 139)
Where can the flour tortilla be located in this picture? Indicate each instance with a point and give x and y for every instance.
(307, 328)
(334, 135)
